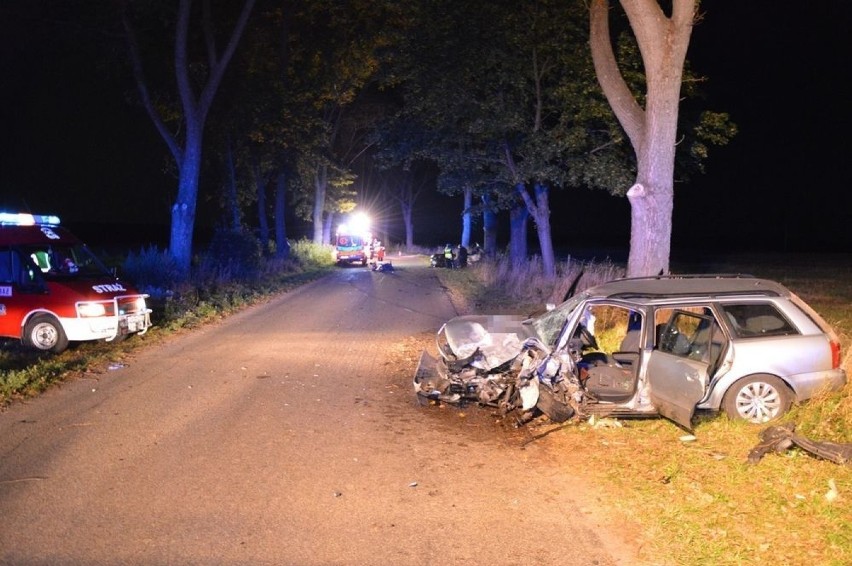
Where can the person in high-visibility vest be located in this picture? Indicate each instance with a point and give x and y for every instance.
(448, 255)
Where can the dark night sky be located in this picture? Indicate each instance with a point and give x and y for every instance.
(782, 70)
(70, 145)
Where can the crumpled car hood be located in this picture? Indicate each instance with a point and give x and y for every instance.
(499, 338)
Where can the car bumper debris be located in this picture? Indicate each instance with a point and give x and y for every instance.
(528, 386)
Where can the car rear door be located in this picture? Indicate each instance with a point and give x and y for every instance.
(677, 370)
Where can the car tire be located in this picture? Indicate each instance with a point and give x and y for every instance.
(43, 332)
(758, 399)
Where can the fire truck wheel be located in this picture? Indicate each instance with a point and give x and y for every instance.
(44, 332)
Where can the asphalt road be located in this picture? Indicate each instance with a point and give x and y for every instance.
(286, 434)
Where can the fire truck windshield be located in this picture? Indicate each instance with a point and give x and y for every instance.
(62, 262)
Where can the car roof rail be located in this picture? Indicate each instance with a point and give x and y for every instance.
(692, 276)
(706, 285)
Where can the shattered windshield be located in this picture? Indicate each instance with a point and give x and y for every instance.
(65, 261)
(549, 325)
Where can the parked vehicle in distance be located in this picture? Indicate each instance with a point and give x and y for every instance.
(53, 289)
(665, 345)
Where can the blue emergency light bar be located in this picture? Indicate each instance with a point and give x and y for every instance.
(25, 219)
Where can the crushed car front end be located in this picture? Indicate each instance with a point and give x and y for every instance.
(498, 361)
(474, 363)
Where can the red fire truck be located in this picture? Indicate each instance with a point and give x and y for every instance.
(53, 289)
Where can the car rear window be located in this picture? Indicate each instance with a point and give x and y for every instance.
(757, 319)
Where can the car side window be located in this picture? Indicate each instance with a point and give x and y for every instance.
(24, 273)
(688, 335)
(751, 320)
(608, 328)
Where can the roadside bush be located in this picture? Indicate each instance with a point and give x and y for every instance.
(152, 271)
(232, 273)
(271, 250)
(274, 267)
(309, 254)
(232, 255)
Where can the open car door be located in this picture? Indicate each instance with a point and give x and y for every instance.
(678, 368)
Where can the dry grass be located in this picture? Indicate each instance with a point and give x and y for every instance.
(522, 284)
(700, 501)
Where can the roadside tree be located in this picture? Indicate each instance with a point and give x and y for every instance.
(663, 41)
(198, 74)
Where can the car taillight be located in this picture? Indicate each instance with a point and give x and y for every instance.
(835, 354)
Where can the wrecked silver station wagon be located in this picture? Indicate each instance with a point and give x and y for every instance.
(653, 346)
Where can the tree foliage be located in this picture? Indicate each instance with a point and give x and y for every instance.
(334, 56)
(502, 96)
(498, 100)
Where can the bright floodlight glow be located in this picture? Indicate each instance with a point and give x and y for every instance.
(359, 223)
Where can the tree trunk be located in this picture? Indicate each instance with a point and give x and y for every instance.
(407, 210)
(183, 210)
(231, 184)
(650, 230)
(327, 223)
(282, 246)
(663, 43)
(489, 227)
(320, 187)
(260, 190)
(518, 220)
(466, 217)
(539, 209)
(542, 226)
